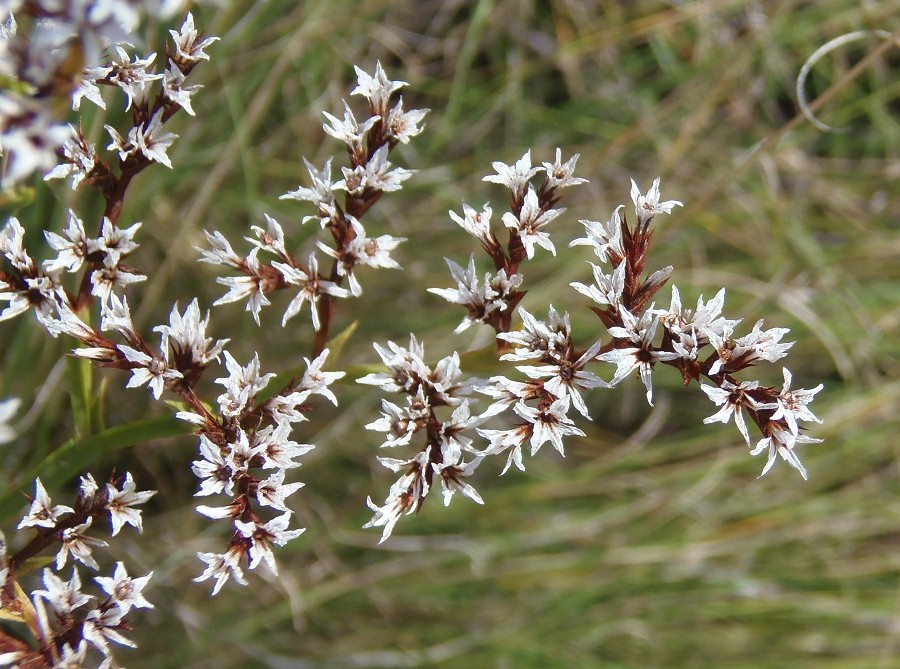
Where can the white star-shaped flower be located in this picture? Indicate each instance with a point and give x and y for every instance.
(121, 504)
(515, 177)
(647, 206)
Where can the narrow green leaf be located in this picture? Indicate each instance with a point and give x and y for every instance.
(13, 199)
(337, 343)
(484, 359)
(78, 371)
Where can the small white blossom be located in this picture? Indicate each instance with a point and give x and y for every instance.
(407, 367)
(549, 424)
(63, 596)
(75, 541)
(482, 300)
(80, 159)
(453, 475)
(213, 471)
(537, 338)
(781, 443)
(377, 88)
(515, 177)
(647, 206)
(185, 336)
(607, 289)
(133, 77)
(738, 353)
(406, 494)
(148, 370)
(250, 287)
(222, 567)
(125, 591)
(401, 424)
(221, 252)
(348, 129)
(476, 223)
(42, 292)
(453, 433)
(124, 147)
(363, 250)
(792, 404)
(241, 385)
(88, 88)
(375, 175)
(121, 504)
(402, 126)
(732, 397)
(311, 285)
(315, 381)
(507, 393)
(117, 316)
(569, 378)
(12, 246)
(604, 238)
(273, 491)
(108, 278)
(321, 194)
(641, 357)
(529, 223)
(511, 440)
(67, 322)
(72, 246)
(42, 513)
(262, 535)
(562, 174)
(445, 382)
(101, 626)
(87, 487)
(276, 449)
(152, 141)
(189, 48)
(115, 242)
(271, 239)
(175, 90)
(704, 320)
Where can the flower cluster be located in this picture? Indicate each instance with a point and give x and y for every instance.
(248, 438)
(554, 368)
(246, 450)
(72, 635)
(55, 59)
(368, 177)
(437, 408)
(245, 431)
(531, 211)
(152, 97)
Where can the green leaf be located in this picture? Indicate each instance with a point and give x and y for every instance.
(337, 343)
(80, 381)
(34, 564)
(75, 456)
(12, 199)
(484, 359)
(19, 609)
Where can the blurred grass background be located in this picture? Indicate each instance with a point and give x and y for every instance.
(652, 544)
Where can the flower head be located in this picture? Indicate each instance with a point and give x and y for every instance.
(647, 206)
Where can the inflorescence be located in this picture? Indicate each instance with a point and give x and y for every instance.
(245, 433)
